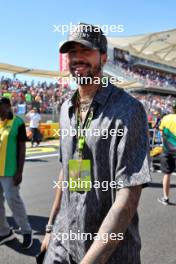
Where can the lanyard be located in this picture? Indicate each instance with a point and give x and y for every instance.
(81, 136)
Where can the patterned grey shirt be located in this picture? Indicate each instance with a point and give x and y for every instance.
(118, 158)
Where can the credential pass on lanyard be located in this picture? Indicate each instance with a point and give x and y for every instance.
(81, 131)
(80, 169)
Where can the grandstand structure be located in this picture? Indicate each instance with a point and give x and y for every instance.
(137, 58)
(17, 70)
(146, 62)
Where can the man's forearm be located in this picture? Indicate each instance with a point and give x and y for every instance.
(21, 158)
(116, 221)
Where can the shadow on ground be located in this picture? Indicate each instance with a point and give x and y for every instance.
(35, 160)
(159, 185)
(38, 224)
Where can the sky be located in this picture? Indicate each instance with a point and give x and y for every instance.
(29, 34)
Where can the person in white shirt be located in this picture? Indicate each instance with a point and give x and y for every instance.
(35, 119)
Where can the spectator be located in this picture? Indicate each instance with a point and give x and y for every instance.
(168, 160)
(12, 153)
(35, 119)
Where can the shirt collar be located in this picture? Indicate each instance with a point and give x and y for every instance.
(104, 93)
(101, 97)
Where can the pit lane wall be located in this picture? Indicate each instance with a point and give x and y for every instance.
(47, 130)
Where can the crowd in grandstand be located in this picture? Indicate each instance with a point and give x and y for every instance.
(152, 78)
(41, 95)
(149, 76)
(45, 97)
(153, 103)
(156, 105)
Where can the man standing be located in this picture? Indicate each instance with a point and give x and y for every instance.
(12, 153)
(84, 216)
(35, 119)
(168, 158)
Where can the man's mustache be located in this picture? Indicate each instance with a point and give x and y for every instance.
(79, 63)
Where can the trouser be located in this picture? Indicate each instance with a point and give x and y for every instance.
(16, 205)
(58, 255)
(36, 137)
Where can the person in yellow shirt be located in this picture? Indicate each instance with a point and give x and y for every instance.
(168, 158)
(12, 157)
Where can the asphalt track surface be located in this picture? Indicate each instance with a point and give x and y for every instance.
(157, 222)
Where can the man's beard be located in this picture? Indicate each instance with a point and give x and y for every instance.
(88, 78)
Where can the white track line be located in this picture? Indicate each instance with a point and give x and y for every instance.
(42, 156)
(159, 171)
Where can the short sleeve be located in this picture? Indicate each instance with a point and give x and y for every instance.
(133, 150)
(22, 137)
(39, 117)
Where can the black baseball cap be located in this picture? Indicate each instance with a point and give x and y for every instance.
(5, 100)
(88, 35)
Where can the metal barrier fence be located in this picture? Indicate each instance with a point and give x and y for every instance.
(155, 138)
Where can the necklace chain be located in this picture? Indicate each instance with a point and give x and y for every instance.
(84, 106)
